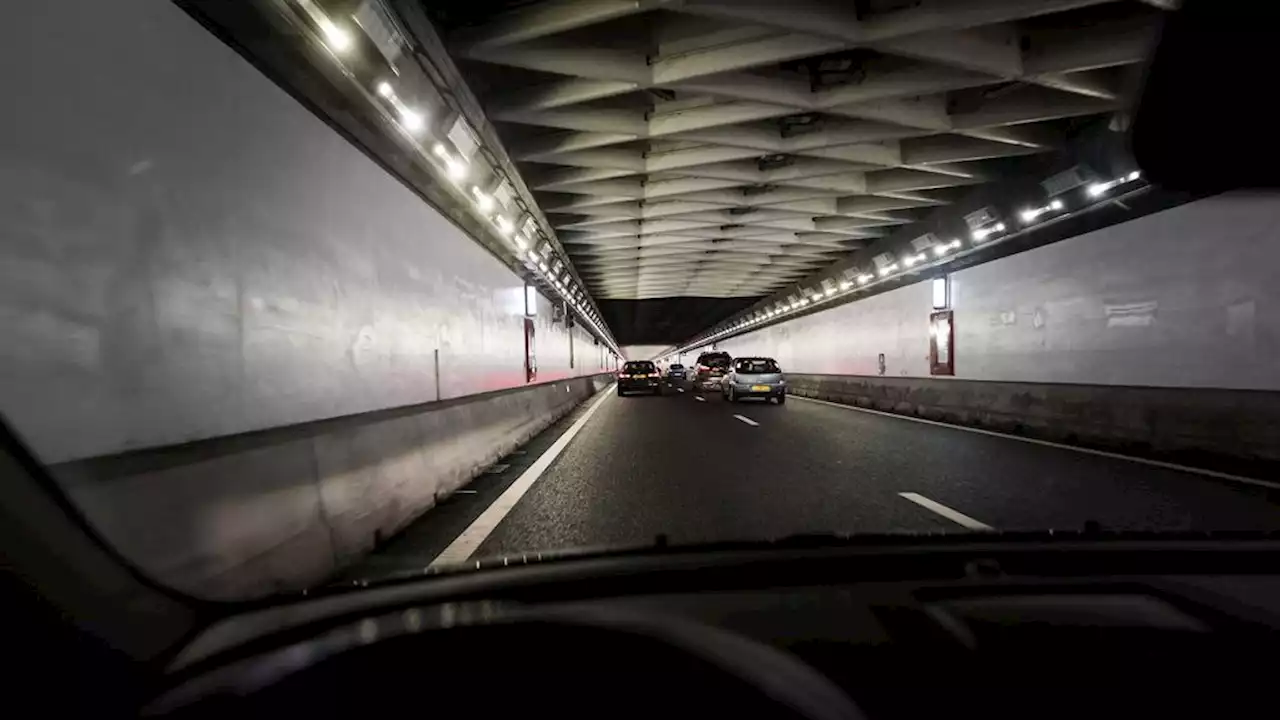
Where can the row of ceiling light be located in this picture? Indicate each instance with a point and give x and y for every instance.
(455, 155)
(889, 268)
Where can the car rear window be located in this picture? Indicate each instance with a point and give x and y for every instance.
(640, 367)
(714, 361)
(677, 366)
(755, 365)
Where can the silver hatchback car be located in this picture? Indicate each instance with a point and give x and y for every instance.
(754, 377)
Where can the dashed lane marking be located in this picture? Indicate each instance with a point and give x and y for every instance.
(699, 398)
(954, 516)
(748, 421)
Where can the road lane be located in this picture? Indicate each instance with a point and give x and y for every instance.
(697, 471)
(1014, 485)
(690, 469)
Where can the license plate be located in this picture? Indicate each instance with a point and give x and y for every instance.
(759, 388)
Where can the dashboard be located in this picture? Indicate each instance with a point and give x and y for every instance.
(977, 627)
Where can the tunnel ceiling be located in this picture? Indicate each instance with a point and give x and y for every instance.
(723, 149)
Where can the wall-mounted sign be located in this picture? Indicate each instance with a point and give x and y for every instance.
(941, 293)
(942, 356)
(979, 218)
(463, 138)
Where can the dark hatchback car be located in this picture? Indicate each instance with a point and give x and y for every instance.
(712, 366)
(639, 376)
(676, 373)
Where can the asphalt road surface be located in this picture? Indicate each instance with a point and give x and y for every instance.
(709, 470)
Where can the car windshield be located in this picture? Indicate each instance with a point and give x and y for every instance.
(307, 292)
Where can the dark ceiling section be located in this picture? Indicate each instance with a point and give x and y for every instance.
(667, 320)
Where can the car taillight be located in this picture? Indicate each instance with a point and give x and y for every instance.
(623, 376)
(654, 375)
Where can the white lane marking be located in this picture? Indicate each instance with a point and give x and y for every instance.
(680, 389)
(747, 420)
(954, 516)
(465, 544)
(699, 398)
(1050, 443)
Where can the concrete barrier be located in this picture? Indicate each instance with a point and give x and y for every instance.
(283, 509)
(1228, 430)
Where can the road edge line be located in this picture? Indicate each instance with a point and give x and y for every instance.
(470, 539)
(1049, 443)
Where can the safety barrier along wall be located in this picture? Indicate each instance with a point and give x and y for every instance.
(285, 508)
(1230, 430)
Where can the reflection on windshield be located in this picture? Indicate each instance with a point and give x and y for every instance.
(292, 308)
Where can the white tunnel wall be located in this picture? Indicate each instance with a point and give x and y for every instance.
(1183, 298)
(187, 252)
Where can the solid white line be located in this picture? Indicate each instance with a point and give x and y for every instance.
(747, 420)
(1050, 443)
(953, 515)
(699, 398)
(465, 544)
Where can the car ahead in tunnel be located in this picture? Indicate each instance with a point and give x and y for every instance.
(710, 369)
(676, 373)
(754, 377)
(639, 376)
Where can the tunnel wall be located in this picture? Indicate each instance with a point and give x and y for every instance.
(643, 352)
(187, 252)
(1179, 298)
(1173, 307)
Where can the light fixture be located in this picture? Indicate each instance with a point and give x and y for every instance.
(533, 254)
(440, 151)
(1098, 189)
(846, 285)
(337, 38)
(1056, 204)
(412, 120)
(983, 233)
(385, 90)
(865, 278)
(483, 201)
(457, 169)
(1134, 175)
(940, 250)
(504, 225)
(884, 271)
(520, 241)
(909, 260)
